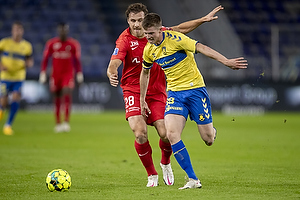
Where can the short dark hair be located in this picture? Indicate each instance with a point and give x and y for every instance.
(136, 8)
(18, 23)
(61, 24)
(150, 20)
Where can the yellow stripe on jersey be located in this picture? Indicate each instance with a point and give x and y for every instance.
(13, 58)
(175, 54)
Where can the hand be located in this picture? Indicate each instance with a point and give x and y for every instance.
(2, 67)
(79, 77)
(145, 111)
(29, 62)
(113, 79)
(211, 16)
(43, 77)
(237, 63)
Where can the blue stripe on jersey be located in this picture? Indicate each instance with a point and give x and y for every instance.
(14, 55)
(171, 60)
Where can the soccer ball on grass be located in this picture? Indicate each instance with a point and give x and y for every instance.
(58, 180)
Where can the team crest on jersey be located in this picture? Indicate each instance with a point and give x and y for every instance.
(68, 48)
(164, 50)
(201, 118)
(56, 45)
(116, 51)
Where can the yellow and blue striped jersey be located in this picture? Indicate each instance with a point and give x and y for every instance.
(13, 58)
(175, 54)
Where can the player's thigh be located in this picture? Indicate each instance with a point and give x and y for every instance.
(55, 85)
(68, 84)
(174, 125)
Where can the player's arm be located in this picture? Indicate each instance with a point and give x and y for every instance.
(29, 57)
(2, 67)
(78, 67)
(112, 71)
(235, 63)
(189, 26)
(77, 62)
(46, 54)
(29, 61)
(144, 80)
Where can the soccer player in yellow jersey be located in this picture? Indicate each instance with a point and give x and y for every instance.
(187, 94)
(16, 55)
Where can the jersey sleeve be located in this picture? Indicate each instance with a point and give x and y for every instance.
(120, 50)
(166, 28)
(77, 56)
(147, 61)
(29, 50)
(46, 54)
(186, 43)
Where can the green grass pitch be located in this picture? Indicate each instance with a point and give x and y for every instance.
(254, 157)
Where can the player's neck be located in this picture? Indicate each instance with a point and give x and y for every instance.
(17, 39)
(63, 39)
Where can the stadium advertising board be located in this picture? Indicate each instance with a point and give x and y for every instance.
(243, 98)
(254, 98)
(91, 96)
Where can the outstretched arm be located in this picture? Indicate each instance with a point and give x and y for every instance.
(144, 80)
(235, 63)
(112, 72)
(189, 26)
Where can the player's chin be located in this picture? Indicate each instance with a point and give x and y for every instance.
(151, 41)
(138, 31)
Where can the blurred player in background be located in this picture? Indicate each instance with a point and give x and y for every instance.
(16, 55)
(129, 50)
(187, 93)
(65, 52)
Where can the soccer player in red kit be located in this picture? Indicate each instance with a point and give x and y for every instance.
(129, 50)
(65, 52)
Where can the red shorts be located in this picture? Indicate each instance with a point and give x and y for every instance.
(156, 104)
(57, 84)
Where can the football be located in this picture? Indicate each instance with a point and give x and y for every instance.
(58, 180)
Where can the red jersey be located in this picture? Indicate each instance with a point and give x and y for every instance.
(130, 49)
(65, 56)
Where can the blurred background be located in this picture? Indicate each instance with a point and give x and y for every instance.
(265, 32)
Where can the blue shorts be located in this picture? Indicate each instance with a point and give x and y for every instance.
(194, 102)
(10, 86)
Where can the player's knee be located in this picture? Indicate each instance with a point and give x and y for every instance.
(163, 136)
(141, 139)
(173, 137)
(140, 135)
(210, 137)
